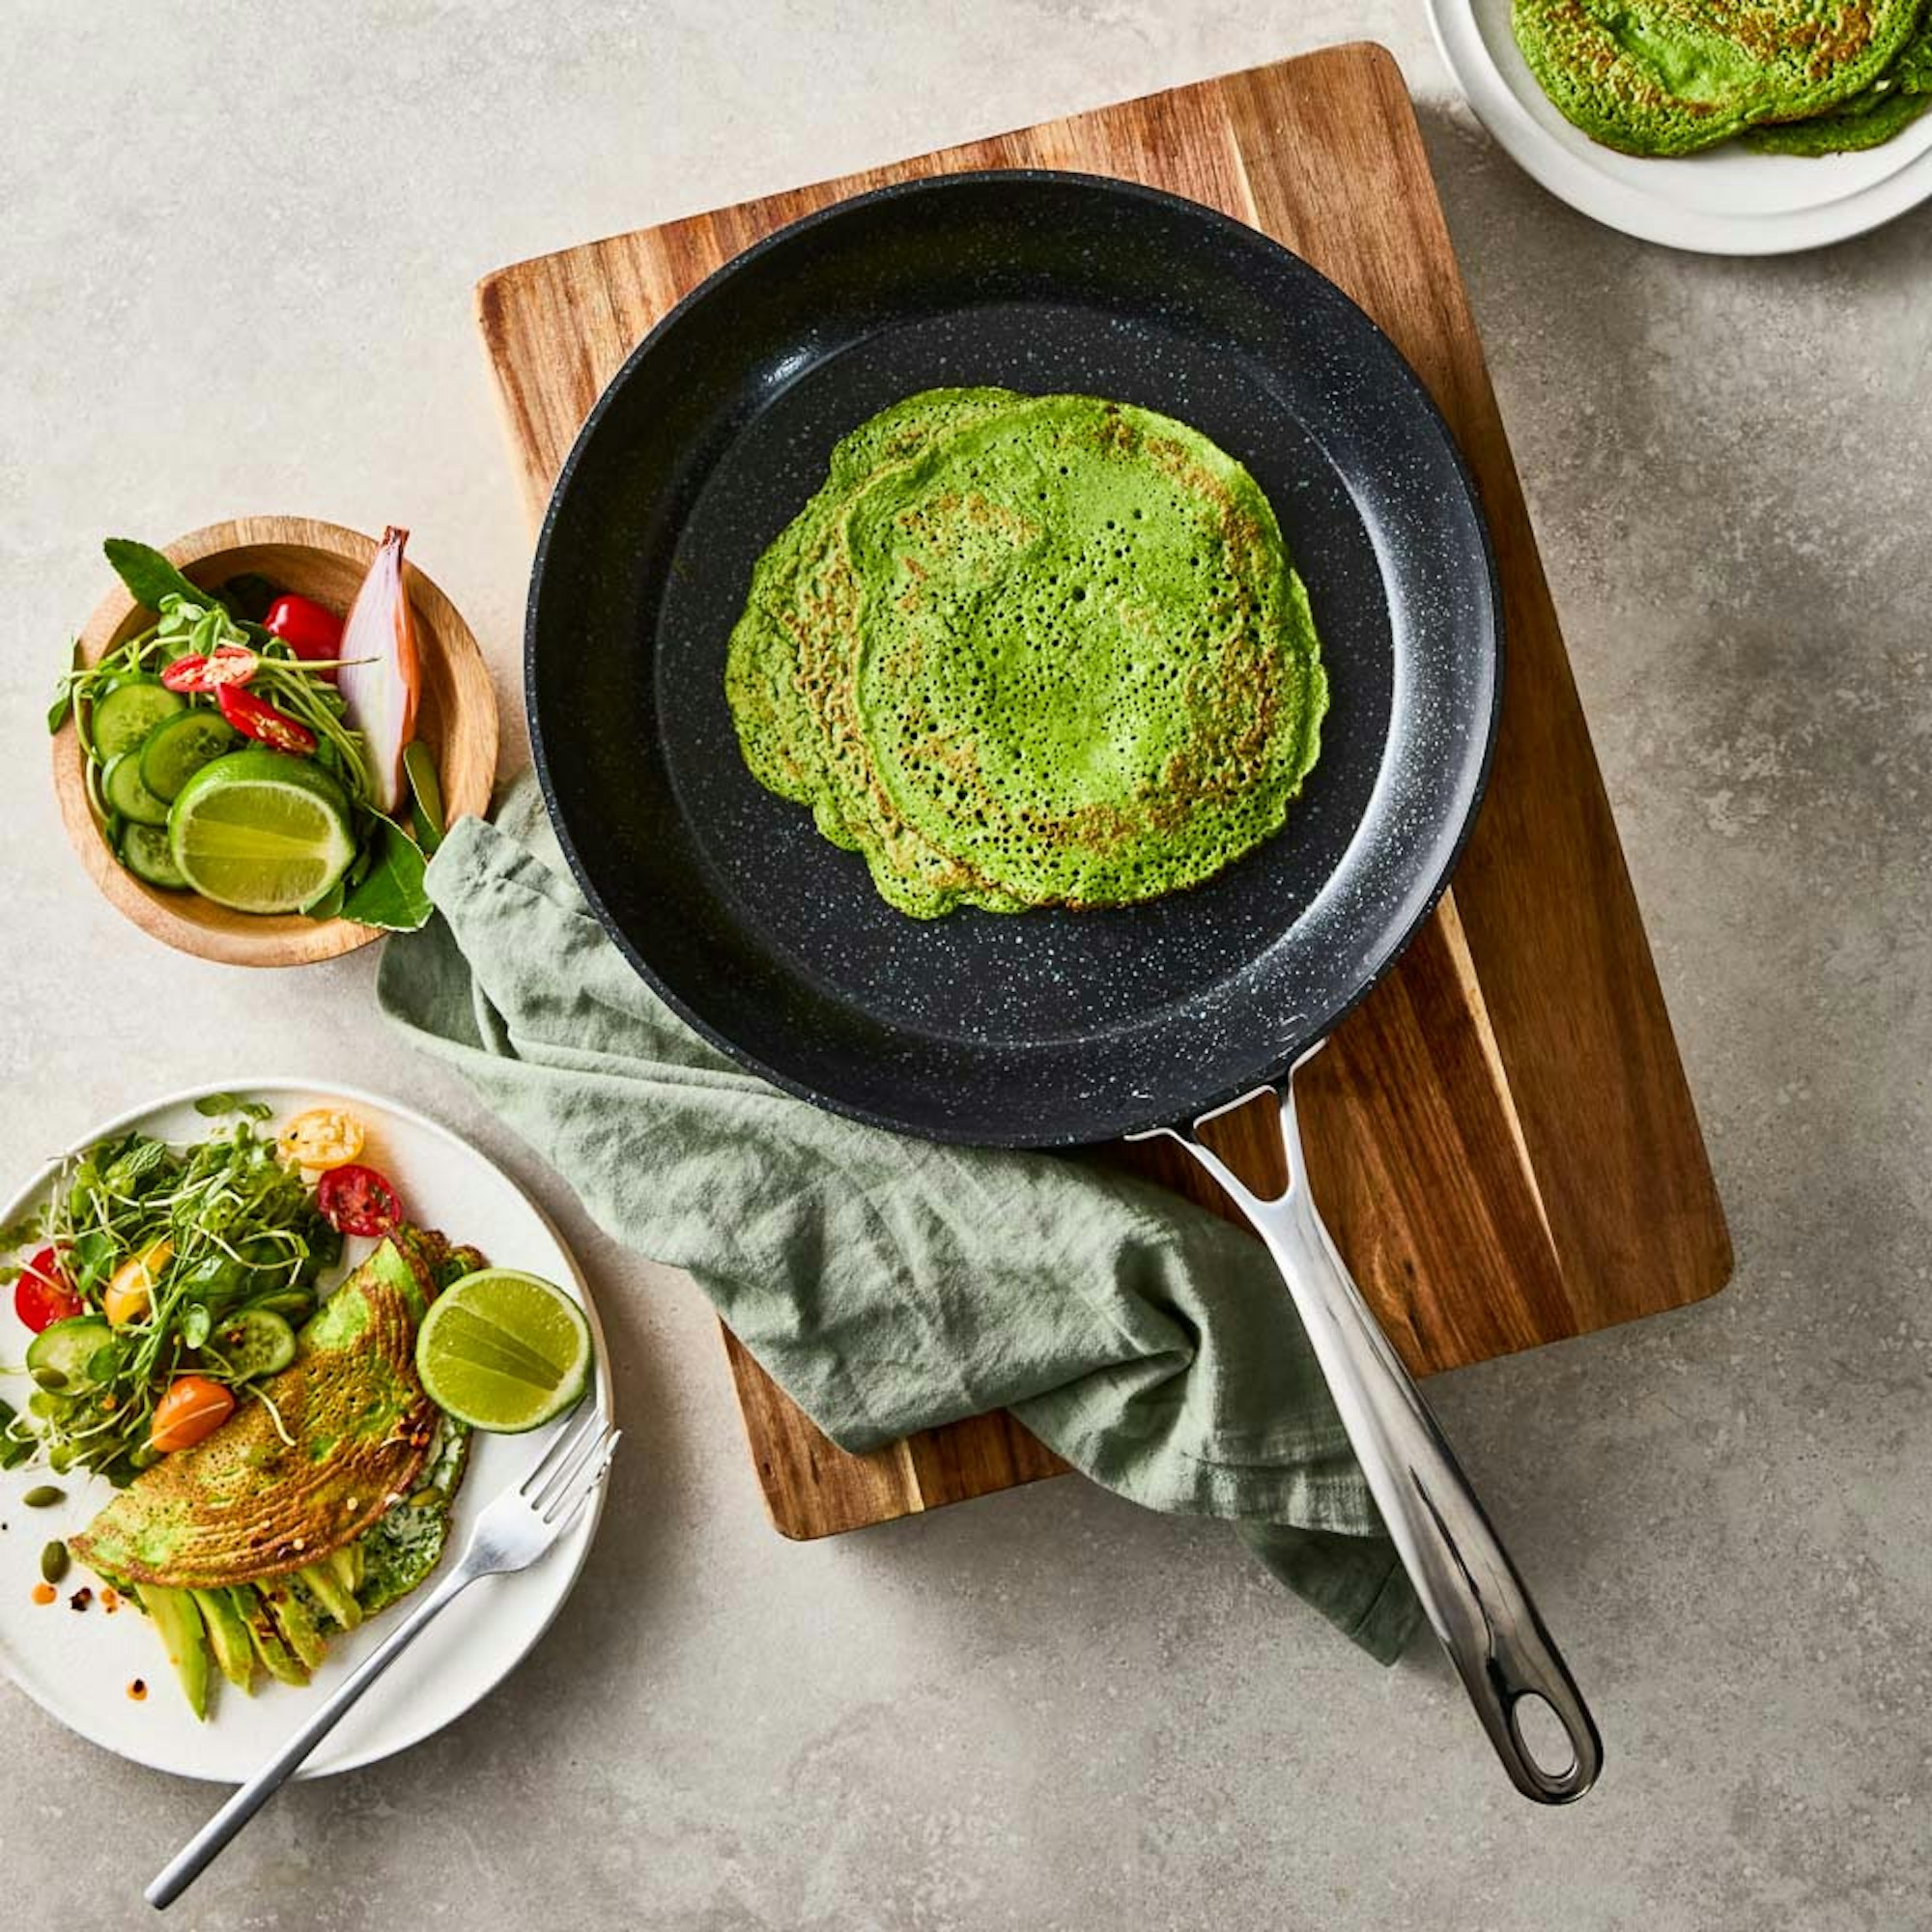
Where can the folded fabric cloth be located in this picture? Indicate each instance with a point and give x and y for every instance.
(891, 1284)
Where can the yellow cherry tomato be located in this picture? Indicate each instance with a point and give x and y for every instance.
(131, 1288)
(319, 1139)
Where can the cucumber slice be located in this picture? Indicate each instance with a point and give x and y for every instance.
(178, 748)
(145, 851)
(255, 1341)
(69, 1346)
(122, 787)
(120, 718)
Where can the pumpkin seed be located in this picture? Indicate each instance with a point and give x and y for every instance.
(50, 1378)
(43, 1495)
(54, 1562)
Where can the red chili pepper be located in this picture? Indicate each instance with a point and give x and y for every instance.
(226, 665)
(263, 722)
(307, 629)
(43, 1296)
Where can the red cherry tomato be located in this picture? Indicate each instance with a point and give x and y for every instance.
(306, 628)
(41, 1297)
(262, 721)
(357, 1200)
(225, 665)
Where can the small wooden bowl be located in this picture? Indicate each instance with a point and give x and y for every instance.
(456, 717)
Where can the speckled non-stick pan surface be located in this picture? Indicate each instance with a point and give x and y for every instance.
(1043, 1028)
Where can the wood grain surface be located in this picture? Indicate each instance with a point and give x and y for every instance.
(1501, 1136)
(456, 718)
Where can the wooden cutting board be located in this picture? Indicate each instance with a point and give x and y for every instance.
(1501, 1136)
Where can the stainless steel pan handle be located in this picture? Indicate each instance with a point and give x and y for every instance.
(1469, 1589)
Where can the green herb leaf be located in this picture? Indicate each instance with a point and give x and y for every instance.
(250, 595)
(195, 1322)
(329, 905)
(59, 710)
(392, 896)
(21, 1232)
(214, 1104)
(426, 789)
(149, 576)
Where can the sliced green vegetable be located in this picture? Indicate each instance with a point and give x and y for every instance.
(178, 748)
(255, 1342)
(295, 1621)
(277, 1659)
(145, 851)
(123, 715)
(227, 1636)
(328, 1590)
(67, 1346)
(179, 1622)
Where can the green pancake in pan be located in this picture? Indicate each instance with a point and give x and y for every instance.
(785, 669)
(1026, 652)
(1672, 76)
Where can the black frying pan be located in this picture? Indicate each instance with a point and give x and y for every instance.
(1053, 1027)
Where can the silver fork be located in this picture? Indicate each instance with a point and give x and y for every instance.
(513, 1531)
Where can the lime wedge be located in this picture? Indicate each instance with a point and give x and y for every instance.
(260, 831)
(503, 1352)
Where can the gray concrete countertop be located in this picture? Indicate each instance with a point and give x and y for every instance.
(239, 248)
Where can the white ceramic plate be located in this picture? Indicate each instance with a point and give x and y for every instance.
(77, 1665)
(1727, 202)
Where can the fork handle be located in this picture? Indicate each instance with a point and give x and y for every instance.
(207, 1844)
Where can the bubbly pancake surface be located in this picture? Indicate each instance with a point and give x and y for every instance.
(1025, 652)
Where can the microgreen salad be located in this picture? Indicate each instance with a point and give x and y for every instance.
(166, 1284)
(255, 748)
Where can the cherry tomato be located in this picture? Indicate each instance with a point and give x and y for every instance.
(263, 722)
(41, 1295)
(225, 665)
(357, 1200)
(306, 628)
(192, 1408)
(322, 1137)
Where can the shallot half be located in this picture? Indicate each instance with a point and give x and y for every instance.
(380, 674)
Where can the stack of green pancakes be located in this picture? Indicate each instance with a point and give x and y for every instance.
(1028, 651)
(1790, 76)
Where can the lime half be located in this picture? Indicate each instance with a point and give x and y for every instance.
(503, 1352)
(260, 831)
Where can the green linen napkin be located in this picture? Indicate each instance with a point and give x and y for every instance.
(886, 1283)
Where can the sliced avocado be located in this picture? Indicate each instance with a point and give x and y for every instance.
(227, 1636)
(347, 1563)
(332, 1593)
(269, 1645)
(400, 1269)
(179, 1625)
(295, 1621)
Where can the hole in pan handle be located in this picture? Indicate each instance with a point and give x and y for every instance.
(1469, 1589)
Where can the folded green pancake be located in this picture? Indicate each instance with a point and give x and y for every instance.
(1672, 76)
(799, 623)
(1025, 652)
(1868, 125)
(1890, 106)
(243, 1504)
